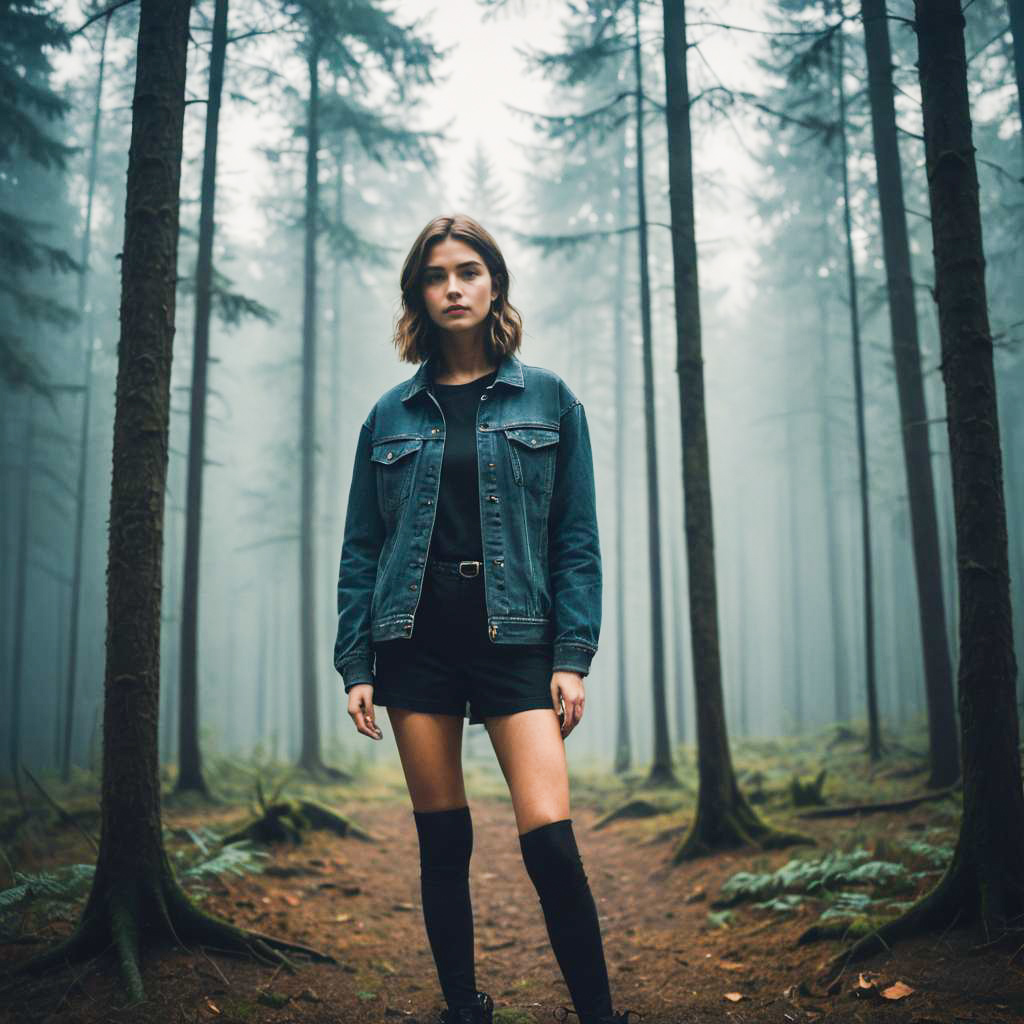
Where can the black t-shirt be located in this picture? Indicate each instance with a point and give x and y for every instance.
(457, 521)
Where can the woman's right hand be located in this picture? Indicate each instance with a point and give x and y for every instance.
(360, 709)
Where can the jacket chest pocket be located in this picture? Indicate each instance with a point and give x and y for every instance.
(394, 461)
(533, 451)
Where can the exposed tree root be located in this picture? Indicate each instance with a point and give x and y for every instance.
(893, 805)
(286, 820)
(125, 915)
(726, 828)
(662, 777)
(960, 897)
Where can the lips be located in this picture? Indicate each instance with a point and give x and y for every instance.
(456, 309)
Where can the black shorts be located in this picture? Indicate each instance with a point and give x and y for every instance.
(450, 666)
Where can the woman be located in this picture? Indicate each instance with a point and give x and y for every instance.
(471, 577)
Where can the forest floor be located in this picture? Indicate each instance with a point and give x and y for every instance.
(672, 955)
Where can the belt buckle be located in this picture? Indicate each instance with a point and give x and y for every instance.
(469, 575)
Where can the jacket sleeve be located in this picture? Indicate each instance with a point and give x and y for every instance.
(574, 553)
(360, 553)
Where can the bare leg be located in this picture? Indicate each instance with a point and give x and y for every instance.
(531, 752)
(430, 747)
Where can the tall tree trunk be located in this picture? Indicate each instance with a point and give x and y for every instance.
(134, 893)
(21, 595)
(682, 691)
(874, 735)
(938, 672)
(336, 391)
(984, 882)
(190, 762)
(840, 667)
(1017, 31)
(724, 818)
(309, 753)
(792, 636)
(661, 773)
(83, 442)
(623, 746)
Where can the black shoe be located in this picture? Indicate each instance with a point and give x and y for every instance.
(561, 1013)
(482, 1013)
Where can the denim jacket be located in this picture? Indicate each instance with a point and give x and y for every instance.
(538, 518)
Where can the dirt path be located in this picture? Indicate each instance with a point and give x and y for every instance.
(360, 901)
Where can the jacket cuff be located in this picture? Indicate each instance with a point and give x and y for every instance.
(357, 669)
(572, 658)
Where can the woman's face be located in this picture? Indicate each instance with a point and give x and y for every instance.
(457, 286)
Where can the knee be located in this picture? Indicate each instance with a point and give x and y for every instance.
(446, 842)
(552, 858)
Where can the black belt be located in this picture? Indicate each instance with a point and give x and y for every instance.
(466, 568)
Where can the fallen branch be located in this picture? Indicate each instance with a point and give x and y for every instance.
(893, 805)
(62, 815)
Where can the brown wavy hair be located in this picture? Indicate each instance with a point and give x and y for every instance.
(416, 335)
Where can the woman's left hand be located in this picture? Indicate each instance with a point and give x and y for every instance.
(567, 688)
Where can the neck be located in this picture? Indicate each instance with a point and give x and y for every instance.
(462, 357)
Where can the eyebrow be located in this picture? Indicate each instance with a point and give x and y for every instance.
(465, 263)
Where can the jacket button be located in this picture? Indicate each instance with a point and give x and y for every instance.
(390, 455)
(433, 430)
(483, 426)
(491, 464)
(491, 497)
(412, 586)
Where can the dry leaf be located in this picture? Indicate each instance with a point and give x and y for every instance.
(213, 1007)
(897, 990)
(734, 997)
(863, 982)
(731, 965)
(343, 917)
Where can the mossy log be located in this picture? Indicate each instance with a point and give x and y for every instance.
(286, 820)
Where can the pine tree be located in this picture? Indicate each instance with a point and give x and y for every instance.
(984, 883)
(28, 30)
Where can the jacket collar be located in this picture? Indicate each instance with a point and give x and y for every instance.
(510, 371)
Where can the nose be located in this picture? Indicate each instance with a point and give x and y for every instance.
(453, 288)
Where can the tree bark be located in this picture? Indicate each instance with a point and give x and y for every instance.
(21, 595)
(190, 763)
(310, 751)
(83, 443)
(623, 745)
(984, 882)
(1017, 31)
(870, 679)
(938, 672)
(724, 818)
(661, 773)
(134, 892)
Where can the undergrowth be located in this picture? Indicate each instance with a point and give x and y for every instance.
(852, 890)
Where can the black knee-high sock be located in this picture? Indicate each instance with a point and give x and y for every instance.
(554, 865)
(446, 843)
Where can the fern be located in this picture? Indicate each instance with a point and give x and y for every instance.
(236, 858)
(63, 885)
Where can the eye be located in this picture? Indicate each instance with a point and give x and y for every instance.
(470, 272)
